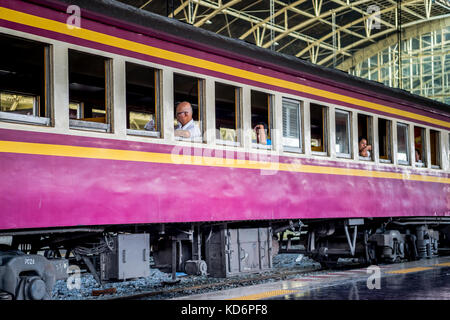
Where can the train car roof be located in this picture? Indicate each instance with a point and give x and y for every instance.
(129, 17)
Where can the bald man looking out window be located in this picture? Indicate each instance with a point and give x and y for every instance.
(186, 127)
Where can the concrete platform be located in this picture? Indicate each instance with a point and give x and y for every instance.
(424, 279)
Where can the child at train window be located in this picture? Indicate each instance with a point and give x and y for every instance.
(364, 148)
(261, 134)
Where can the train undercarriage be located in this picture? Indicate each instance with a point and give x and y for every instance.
(31, 261)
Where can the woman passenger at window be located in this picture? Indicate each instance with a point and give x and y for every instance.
(418, 160)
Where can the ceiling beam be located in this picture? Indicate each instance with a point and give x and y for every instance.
(216, 12)
(350, 24)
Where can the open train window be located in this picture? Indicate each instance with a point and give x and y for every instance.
(143, 100)
(228, 120)
(261, 109)
(435, 149)
(420, 147)
(319, 130)
(292, 125)
(402, 143)
(191, 90)
(25, 81)
(343, 144)
(384, 140)
(365, 131)
(90, 91)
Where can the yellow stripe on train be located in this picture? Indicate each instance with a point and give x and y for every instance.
(180, 159)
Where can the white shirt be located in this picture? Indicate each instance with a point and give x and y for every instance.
(192, 128)
(368, 156)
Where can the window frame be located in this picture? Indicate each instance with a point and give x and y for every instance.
(238, 116)
(423, 137)
(158, 109)
(270, 104)
(201, 98)
(389, 147)
(300, 125)
(349, 136)
(325, 130)
(75, 124)
(48, 91)
(438, 150)
(403, 162)
(370, 136)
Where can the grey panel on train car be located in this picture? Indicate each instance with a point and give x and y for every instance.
(215, 253)
(129, 259)
(231, 251)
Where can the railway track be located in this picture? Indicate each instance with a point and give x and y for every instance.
(250, 279)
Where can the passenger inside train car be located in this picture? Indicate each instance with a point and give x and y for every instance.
(365, 150)
(188, 97)
(186, 127)
(365, 130)
(418, 157)
(261, 109)
(420, 146)
(142, 99)
(261, 134)
(24, 85)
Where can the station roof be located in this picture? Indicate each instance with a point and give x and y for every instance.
(325, 32)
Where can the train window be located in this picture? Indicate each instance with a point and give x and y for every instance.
(365, 125)
(435, 149)
(228, 120)
(188, 91)
(25, 86)
(384, 140)
(89, 91)
(402, 143)
(292, 133)
(143, 112)
(319, 130)
(261, 106)
(420, 147)
(342, 119)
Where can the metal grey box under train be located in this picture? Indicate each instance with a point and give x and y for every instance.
(231, 251)
(129, 259)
